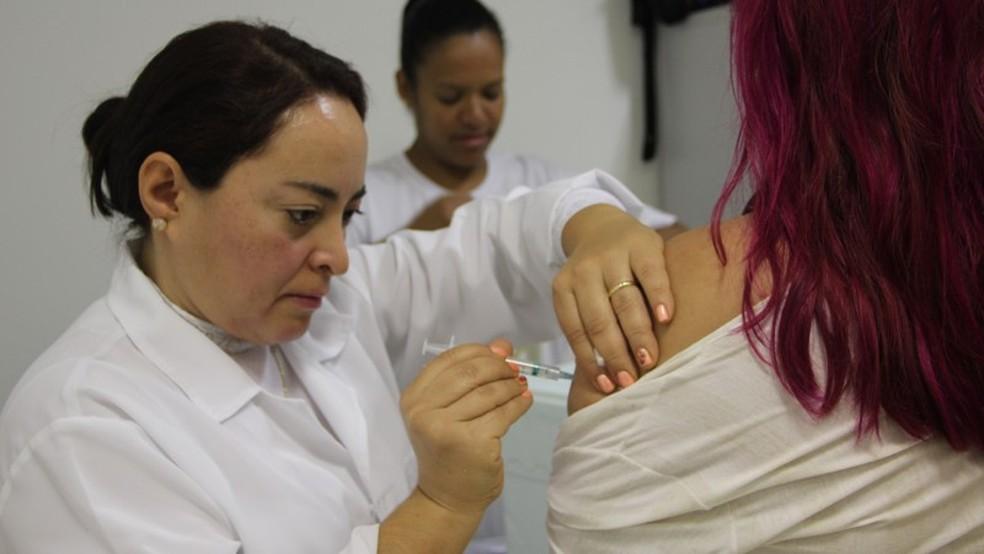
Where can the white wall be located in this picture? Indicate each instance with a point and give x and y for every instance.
(698, 119)
(574, 97)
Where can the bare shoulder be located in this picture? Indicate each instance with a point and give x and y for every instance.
(707, 291)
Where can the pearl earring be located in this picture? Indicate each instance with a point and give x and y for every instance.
(158, 224)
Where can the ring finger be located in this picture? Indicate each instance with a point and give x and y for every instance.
(602, 327)
(631, 309)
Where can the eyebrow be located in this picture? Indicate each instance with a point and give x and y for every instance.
(456, 86)
(324, 191)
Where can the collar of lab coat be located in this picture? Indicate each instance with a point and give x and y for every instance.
(202, 370)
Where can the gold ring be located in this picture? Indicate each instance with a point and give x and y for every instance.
(619, 286)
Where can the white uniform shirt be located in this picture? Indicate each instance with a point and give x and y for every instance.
(134, 432)
(708, 453)
(396, 191)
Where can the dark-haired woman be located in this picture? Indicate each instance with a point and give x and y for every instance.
(451, 78)
(821, 387)
(248, 384)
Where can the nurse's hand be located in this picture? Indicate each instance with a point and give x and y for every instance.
(609, 295)
(457, 411)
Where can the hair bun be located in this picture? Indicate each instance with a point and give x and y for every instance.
(95, 125)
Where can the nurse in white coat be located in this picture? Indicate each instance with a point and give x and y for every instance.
(249, 385)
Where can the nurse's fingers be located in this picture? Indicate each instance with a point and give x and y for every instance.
(635, 321)
(631, 309)
(603, 330)
(449, 358)
(501, 347)
(455, 373)
(565, 305)
(496, 422)
(486, 398)
(649, 268)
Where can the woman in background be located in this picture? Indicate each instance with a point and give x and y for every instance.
(820, 387)
(248, 384)
(451, 78)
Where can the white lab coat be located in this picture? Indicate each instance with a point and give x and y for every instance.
(396, 191)
(135, 433)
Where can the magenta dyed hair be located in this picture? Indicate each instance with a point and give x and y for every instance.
(862, 137)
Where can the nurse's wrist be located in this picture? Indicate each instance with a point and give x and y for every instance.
(421, 524)
(586, 223)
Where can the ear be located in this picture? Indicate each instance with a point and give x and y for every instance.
(162, 186)
(405, 89)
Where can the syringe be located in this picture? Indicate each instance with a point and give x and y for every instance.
(526, 368)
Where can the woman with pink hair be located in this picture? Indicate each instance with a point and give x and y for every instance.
(821, 386)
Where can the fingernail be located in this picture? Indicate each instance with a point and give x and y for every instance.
(605, 384)
(498, 351)
(662, 313)
(527, 393)
(513, 367)
(624, 379)
(645, 360)
(521, 379)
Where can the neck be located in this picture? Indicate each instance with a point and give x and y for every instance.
(452, 177)
(143, 253)
(147, 260)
